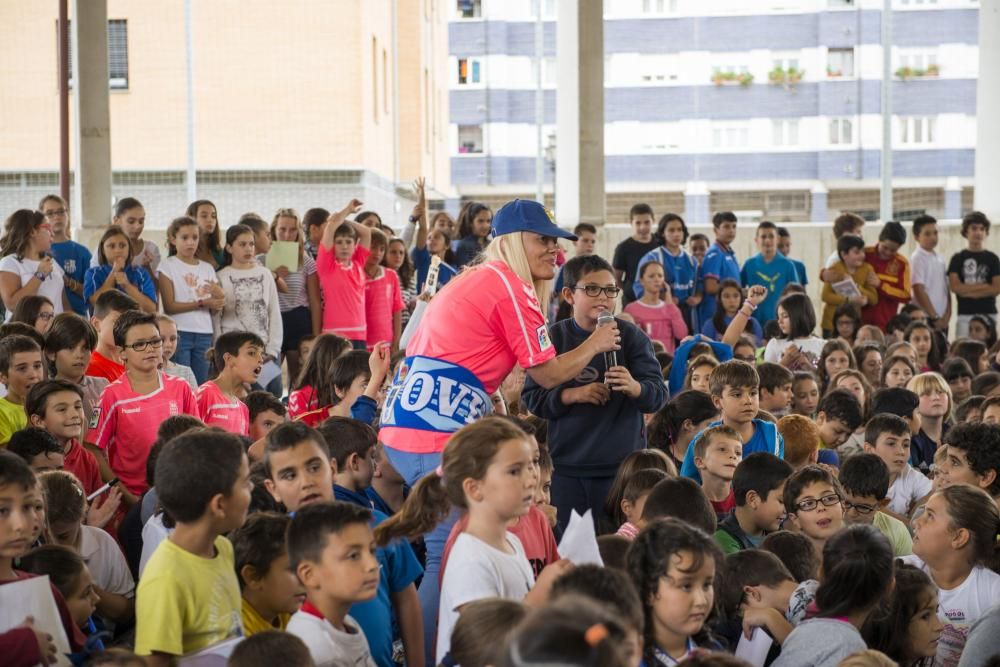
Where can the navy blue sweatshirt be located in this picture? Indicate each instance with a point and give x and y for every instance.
(588, 440)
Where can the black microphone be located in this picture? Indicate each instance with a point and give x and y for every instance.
(611, 357)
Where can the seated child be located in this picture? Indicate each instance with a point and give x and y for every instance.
(973, 458)
(679, 498)
(801, 436)
(775, 388)
(865, 478)
(69, 346)
(888, 436)
(814, 502)
(758, 487)
(838, 415)
(796, 552)
(271, 592)
(271, 647)
(990, 410)
(39, 449)
(20, 369)
(757, 587)
(266, 412)
(57, 407)
(238, 359)
(612, 517)
(805, 393)
(543, 496)
(357, 382)
(483, 631)
(717, 452)
(637, 490)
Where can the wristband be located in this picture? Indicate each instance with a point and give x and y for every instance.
(41, 276)
(413, 219)
(748, 302)
(201, 304)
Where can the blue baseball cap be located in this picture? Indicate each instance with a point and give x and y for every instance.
(525, 215)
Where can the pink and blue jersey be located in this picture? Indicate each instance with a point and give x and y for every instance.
(217, 409)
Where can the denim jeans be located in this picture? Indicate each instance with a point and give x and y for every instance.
(413, 467)
(191, 350)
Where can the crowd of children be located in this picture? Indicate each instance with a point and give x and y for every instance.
(754, 467)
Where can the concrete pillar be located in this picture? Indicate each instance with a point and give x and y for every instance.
(952, 199)
(92, 138)
(987, 196)
(696, 208)
(817, 204)
(580, 112)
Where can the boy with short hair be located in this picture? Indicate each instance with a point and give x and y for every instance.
(845, 223)
(189, 597)
(865, 478)
(838, 415)
(38, 449)
(716, 454)
(801, 436)
(785, 248)
(893, 271)
(930, 275)
(104, 362)
(851, 264)
(758, 485)
(357, 380)
(720, 262)
(814, 502)
(775, 388)
(586, 240)
(74, 258)
(631, 250)
(340, 265)
(20, 369)
(757, 587)
(238, 358)
(266, 412)
(69, 347)
(769, 268)
(990, 410)
(974, 274)
(888, 436)
(900, 402)
(734, 389)
(271, 592)
(595, 420)
(973, 457)
(331, 548)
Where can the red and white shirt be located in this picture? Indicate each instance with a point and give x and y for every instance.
(124, 424)
(218, 409)
(343, 290)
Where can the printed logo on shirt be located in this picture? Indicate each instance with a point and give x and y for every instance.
(69, 266)
(587, 375)
(95, 418)
(543, 338)
(174, 409)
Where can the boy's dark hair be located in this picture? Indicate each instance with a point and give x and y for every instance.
(982, 385)
(12, 345)
(732, 373)
(783, 232)
(575, 269)
(773, 376)
(37, 399)
(113, 300)
(795, 551)
(584, 227)
(706, 437)
(68, 330)
(767, 224)
(614, 550)
(893, 231)
(288, 435)
(609, 587)
(955, 369)
(312, 525)
(974, 218)
(750, 567)
(33, 441)
(849, 242)
(700, 237)
(215, 455)
(897, 322)
(760, 472)
(885, 422)
(723, 216)
(922, 221)
(129, 319)
(346, 368)
(258, 543)
(981, 444)
(169, 428)
(846, 223)
(843, 406)
(680, 498)
(231, 342)
(544, 456)
(865, 475)
(262, 401)
(640, 209)
(314, 217)
(271, 647)
(21, 329)
(802, 478)
(63, 566)
(345, 436)
(971, 403)
(895, 401)
(15, 470)
(772, 329)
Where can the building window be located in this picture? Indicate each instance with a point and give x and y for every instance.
(469, 9)
(785, 64)
(549, 71)
(730, 136)
(841, 131)
(117, 53)
(916, 130)
(785, 132)
(469, 71)
(840, 62)
(659, 6)
(470, 139)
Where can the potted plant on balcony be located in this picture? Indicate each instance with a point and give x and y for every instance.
(744, 79)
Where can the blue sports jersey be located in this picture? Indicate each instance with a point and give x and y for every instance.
(773, 275)
(74, 259)
(720, 263)
(680, 272)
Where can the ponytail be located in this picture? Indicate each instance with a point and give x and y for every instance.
(425, 507)
(972, 509)
(857, 571)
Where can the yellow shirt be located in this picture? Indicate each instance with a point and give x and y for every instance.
(12, 420)
(185, 603)
(254, 622)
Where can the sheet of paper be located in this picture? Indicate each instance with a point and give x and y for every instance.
(579, 541)
(283, 253)
(33, 597)
(846, 287)
(755, 649)
(268, 372)
(216, 655)
(432, 275)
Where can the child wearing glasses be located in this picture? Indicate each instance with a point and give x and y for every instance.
(815, 505)
(661, 319)
(122, 426)
(865, 478)
(596, 419)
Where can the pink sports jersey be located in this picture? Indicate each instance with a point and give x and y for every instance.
(485, 321)
(125, 423)
(383, 299)
(343, 290)
(217, 409)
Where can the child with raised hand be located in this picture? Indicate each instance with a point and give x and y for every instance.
(661, 319)
(189, 596)
(487, 468)
(20, 369)
(758, 486)
(673, 566)
(115, 271)
(357, 379)
(815, 504)
(954, 541)
(313, 387)
(429, 244)
(271, 593)
(857, 573)
(680, 270)
(168, 329)
(238, 358)
(57, 407)
(728, 304)
(865, 478)
(383, 298)
(906, 626)
(717, 452)
(191, 293)
(343, 252)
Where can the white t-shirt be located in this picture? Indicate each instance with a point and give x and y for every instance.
(928, 269)
(191, 282)
(476, 571)
(960, 607)
(909, 487)
(831, 260)
(106, 562)
(52, 287)
(812, 347)
(153, 534)
(328, 646)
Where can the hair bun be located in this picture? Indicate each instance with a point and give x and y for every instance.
(595, 634)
